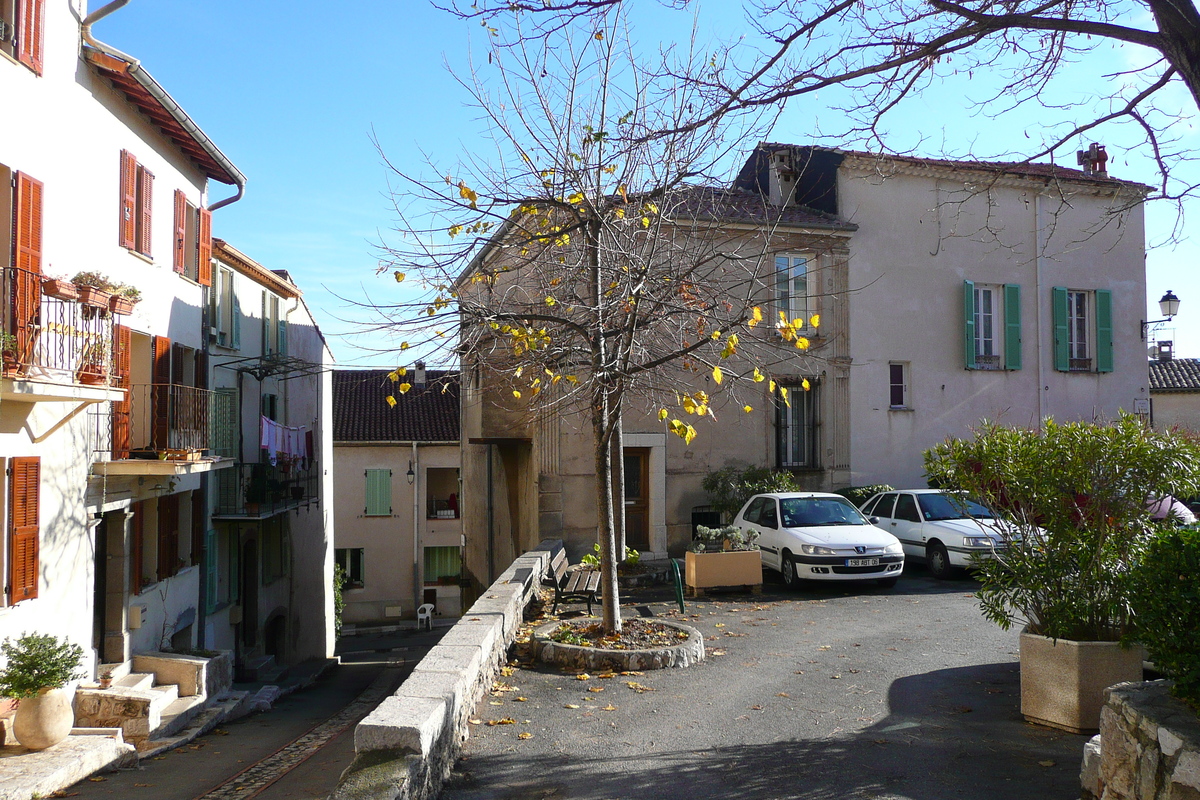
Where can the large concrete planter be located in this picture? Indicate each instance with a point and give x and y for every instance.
(1063, 681)
(732, 568)
(45, 719)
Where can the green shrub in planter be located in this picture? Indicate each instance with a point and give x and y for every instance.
(1076, 495)
(37, 661)
(1165, 595)
(861, 494)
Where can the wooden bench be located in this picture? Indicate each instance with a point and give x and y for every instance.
(574, 585)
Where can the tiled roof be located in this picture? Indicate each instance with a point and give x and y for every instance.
(1176, 375)
(361, 412)
(706, 203)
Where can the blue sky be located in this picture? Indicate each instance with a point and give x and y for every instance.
(294, 93)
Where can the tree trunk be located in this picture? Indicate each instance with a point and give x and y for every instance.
(605, 531)
(618, 468)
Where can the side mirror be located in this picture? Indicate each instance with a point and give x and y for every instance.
(874, 520)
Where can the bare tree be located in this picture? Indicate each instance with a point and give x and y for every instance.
(1023, 51)
(589, 264)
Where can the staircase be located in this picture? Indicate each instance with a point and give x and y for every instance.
(156, 701)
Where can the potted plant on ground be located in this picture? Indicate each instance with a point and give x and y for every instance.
(124, 299)
(724, 556)
(36, 668)
(1076, 497)
(95, 290)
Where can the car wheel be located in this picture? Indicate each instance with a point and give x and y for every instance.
(888, 583)
(787, 567)
(939, 561)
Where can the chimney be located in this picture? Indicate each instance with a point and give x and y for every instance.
(1166, 351)
(1094, 160)
(419, 375)
(782, 177)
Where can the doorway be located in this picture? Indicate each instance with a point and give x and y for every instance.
(636, 467)
(250, 593)
(100, 587)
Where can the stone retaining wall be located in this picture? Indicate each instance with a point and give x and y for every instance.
(404, 749)
(1148, 747)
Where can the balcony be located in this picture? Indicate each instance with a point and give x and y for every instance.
(163, 429)
(53, 349)
(260, 491)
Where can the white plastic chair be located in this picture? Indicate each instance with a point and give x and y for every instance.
(425, 616)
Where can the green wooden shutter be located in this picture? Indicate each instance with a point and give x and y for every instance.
(1062, 350)
(1104, 331)
(281, 345)
(379, 492)
(1012, 326)
(969, 324)
(236, 334)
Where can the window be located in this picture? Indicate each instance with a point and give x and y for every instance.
(137, 195)
(168, 536)
(791, 287)
(796, 427)
(273, 536)
(754, 511)
(22, 24)
(769, 516)
(379, 493)
(884, 506)
(224, 310)
(441, 498)
(274, 338)
(906, 508)
(350, 559)
(24, 529)
(442, 565)
(192, 255)
(992, 325)
(1083, 340)
(898, 385)
(269, 406)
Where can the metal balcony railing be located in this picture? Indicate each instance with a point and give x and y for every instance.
(48, 338)
(162, 420)
(262, 490)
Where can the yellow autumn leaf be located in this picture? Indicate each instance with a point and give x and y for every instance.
(718, 375)
(404, 345)
(391, 401)
(645, 222)
(806, 384)
(399, 277)
(747, 409)
(393, 376)
(525, 735)
(815, 321)
(404, 387)
(689, 434)
(516, 394)
(550, 301)
(756, 316)
(802, 343)
(662, 414)
(758, 376)
(572, 378)
(465, 193)
(402, 371)
(619, 213)
(771, 387)
(783, 392)
(576, 198)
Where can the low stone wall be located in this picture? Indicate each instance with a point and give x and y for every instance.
(1148, 747)
(404, 749)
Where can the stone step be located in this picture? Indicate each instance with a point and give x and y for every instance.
(176, 716)
(135, 680)
(227, 707)
(258, 667)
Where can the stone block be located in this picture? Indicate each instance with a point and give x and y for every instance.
(1089, 771)
(186, 672)
(480, 632)
(404, 724)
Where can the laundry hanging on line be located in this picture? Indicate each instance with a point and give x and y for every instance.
(285, 444)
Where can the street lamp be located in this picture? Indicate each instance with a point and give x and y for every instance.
(1169, 306)
(412, 475)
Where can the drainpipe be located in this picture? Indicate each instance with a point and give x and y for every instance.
(491, 520)
(156, 91)
(1039, 263)
(416, 571)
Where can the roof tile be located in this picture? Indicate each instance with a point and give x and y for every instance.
(424, 414)
(1176, 375)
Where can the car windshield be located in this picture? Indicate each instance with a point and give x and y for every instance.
(937, 507)
(799, 512)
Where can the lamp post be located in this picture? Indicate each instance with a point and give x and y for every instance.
(1169, 306)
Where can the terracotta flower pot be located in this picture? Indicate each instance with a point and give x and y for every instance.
(63, 290)
(91, 296)
(45, 719)
(120, 305)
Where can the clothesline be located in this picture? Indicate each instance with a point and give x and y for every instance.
(286, 444)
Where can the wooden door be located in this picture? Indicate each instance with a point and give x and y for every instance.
(637, 497)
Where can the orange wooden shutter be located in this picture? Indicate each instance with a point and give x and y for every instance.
(161, 393)
(120, 409)
(204, 264)
(24, 488)
(179, 257)
(30, 25)
(139, 544)
(145, 209)
(168, 536)
(128, 199)
(27, 290)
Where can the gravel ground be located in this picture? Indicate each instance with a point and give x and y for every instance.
(826, 692)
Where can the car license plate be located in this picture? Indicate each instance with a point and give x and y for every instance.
(862, 562)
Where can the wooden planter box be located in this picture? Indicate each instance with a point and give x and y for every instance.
(63, 290)
(91, 296)
(1063, 681)
(120, 305)
(733, 568)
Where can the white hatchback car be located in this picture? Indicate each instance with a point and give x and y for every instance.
(944, 529)
(823, 537)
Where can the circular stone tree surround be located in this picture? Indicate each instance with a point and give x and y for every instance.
(574, 656)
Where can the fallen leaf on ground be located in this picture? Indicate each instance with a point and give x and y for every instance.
(637, 687)
(570, 705)
(716, 651)
(220, 732)
(97, 780)
(609, 707)
(143, 785)
(520, 699)
(834, 677)
(606, 675)
(505, 721)
(756, 708)
(1046, 763)
(525, 735)
(783, 694)
(824, 647)
(474, 722)
(495, 703)
(583, 676)
(631, 672)
(595, 688)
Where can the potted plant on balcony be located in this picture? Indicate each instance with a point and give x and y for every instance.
(95, 290)
(724, 556)
(256, 489)
(93, 369)
(61, 288)
(1076, 497)
(8, 350)
(36, 668)
(124, 299)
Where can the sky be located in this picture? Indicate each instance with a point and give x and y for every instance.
(308, 99)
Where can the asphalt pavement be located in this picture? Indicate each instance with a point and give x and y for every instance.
(826, 692)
